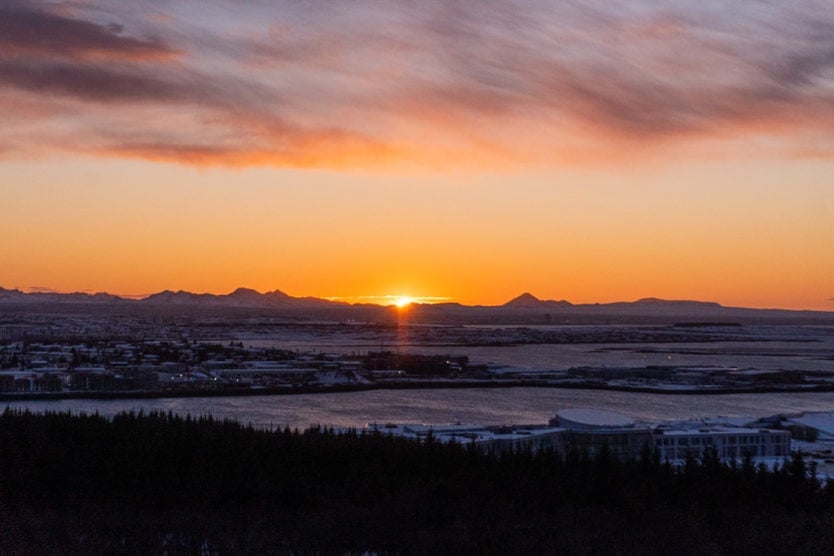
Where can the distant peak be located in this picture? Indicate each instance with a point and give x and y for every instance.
(244, 292)
(524, 300)
(658, 301)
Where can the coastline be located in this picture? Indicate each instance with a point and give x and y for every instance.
(400, 385)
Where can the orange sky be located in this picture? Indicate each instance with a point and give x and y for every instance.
(585, 152)
(726, 232)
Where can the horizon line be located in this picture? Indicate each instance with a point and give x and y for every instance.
(395, 299)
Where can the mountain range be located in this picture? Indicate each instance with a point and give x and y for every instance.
(526, 308)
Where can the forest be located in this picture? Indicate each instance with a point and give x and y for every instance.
(162, 483)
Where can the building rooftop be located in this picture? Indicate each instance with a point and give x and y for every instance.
(712, 431)
(464, 432)
(594, 418)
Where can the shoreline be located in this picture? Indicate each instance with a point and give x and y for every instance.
(415, 385)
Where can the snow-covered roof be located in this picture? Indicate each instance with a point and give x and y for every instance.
(717, 430)
(584, 417)
(464, 432)
(823, 422)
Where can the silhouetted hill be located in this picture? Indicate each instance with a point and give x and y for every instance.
(17, 296)
(530, 301)
(526, 309)
(179, 297)
(241, 297)
(654, 302)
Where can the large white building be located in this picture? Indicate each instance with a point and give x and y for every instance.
(532, 437)
(592, 431)
(729, 443)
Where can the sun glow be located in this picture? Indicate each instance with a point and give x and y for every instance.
(399, 301)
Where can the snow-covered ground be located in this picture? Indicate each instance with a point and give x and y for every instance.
(823, 422)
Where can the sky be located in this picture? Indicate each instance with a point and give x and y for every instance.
(469, 151)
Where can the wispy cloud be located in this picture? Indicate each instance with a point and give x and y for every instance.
(91, 83)
(366, 83)
(27, 29)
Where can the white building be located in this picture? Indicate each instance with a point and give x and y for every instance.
(729, 443)
(592, 431)
(521, 437)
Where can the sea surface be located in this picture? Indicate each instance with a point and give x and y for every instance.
(809, 349)
(770, 348)
(487, 406)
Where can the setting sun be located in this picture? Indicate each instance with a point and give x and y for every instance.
(637, 185)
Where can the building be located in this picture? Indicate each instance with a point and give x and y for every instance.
(729, 443)
(594, 431)
(507, 438)
(591, 431)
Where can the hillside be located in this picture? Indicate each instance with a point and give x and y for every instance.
(524, 309)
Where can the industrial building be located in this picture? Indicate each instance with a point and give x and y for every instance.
(592, 431)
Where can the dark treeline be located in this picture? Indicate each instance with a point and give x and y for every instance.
(157, 483)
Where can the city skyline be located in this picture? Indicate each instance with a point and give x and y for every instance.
(462, 152)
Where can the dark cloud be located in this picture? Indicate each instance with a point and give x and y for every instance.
(89, 82)
(265, 143)
(267, 80)
(26, 30)
(804, 67)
